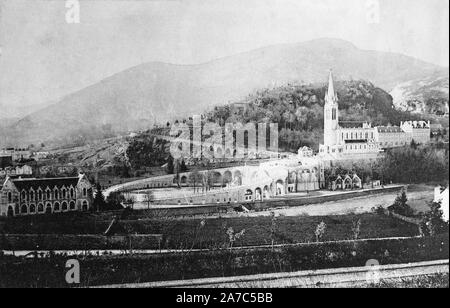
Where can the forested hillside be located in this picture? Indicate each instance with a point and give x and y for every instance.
(298, 110)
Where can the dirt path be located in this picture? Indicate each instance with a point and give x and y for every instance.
(357, 205)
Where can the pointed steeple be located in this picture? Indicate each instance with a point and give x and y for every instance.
(331, 95)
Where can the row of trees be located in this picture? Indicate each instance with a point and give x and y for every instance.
(415, 164)
(410, 164)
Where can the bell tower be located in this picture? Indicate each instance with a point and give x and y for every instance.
(330, 114)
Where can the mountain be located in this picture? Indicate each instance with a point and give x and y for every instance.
(428, 95)
(140, 96)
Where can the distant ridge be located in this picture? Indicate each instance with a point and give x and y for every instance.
(139, 96)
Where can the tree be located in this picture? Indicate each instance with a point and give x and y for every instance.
(148, 197)
(433, 222)
(170, 165)
(99, 199)
(400, 205)
(195, 177)
(114, 201)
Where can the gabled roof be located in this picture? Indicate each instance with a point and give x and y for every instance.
(26, 184)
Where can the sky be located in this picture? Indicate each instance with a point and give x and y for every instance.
(44, 57)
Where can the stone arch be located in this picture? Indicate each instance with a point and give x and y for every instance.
(85, 205)
(228, 153)
(217, 178)
(32, 209)
(279, 187)
(40, 208)
(258, 194)
(23, 209)
(266, 192)
(72, 205)
(48, 208)
(237, 177)
(183, 180)
(64, 206)
(219, 152)
(16, 209)
(227, 177)
(56, 207)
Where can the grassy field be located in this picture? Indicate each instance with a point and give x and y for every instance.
(258, 230)
(215, 232)
(101, 270)
(426, 281)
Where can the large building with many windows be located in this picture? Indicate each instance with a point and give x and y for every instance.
(50, 195)
(348, 140)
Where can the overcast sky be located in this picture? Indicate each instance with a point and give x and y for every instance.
(43, 57)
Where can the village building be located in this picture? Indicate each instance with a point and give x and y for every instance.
(11, 171)
(20, 196)
(17, 154)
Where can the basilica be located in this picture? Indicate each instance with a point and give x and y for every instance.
(348, 140)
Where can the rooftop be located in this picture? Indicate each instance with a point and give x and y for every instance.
(28, 183)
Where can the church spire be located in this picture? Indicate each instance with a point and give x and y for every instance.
(331, 95)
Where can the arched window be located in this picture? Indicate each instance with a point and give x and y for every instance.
(84, 192)
(56, 207)
(9, 197)
(72, 205)
(40, 208)
(23, 195)
(31, 195)
(32, 209)
(48, 194)
(56, 194)
(40, 194)
(64, 206)
(85, 205)
(24, 209)
(64, 193)
(48, 208)
(72, 193)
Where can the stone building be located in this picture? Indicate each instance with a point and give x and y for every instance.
(348, 140)
(49, 195)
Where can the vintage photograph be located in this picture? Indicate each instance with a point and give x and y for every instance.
(225, 145)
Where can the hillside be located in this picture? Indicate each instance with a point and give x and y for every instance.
(151, 92)
(298, 110)
(426, 95)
